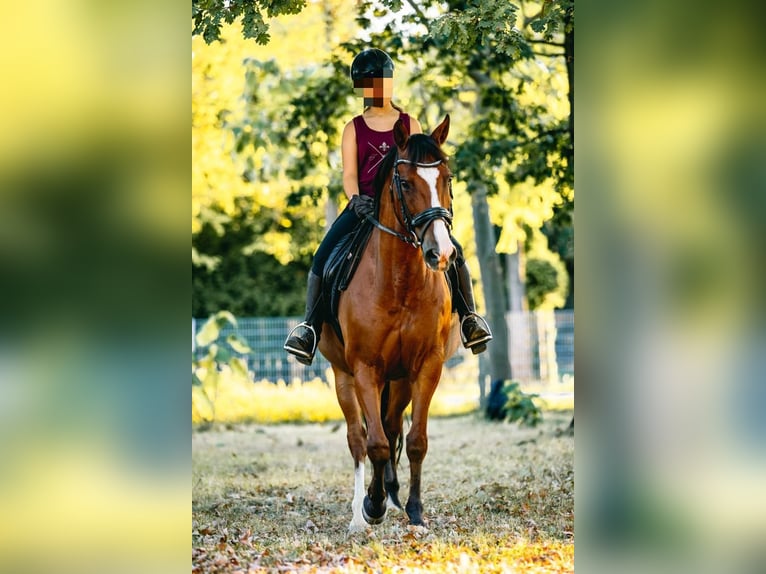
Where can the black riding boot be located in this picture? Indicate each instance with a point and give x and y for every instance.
(474, 330)
(304, 338)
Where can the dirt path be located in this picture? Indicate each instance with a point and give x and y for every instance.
(497, 498)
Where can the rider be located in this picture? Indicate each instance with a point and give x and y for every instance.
(366, 139)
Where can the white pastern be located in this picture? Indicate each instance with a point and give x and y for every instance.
(441, 234)
(358, 523)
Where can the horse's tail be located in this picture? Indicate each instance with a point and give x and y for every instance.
(383, 409)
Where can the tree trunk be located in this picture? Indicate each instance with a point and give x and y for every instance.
(492, 284)
(516, 294)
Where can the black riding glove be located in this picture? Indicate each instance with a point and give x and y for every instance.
(363, 205)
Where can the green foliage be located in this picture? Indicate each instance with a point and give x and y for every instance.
(559, 231)
(287, 117)
(520, 406)
(555, 16)
(219, 354)
(481, 23)
(542, 278)
(208, 16)
(546, 277)
(233, 271)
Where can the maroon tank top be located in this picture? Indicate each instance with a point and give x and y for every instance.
(371, 147)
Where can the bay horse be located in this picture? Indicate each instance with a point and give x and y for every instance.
(397, 323)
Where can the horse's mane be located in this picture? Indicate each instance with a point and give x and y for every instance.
(420, 148)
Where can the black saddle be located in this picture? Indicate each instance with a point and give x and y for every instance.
(340, 268)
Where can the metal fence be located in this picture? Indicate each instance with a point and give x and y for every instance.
(541, 349)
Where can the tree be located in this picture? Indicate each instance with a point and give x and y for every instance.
(516, 145)
(208, 16)
(255, 193)
(230, 273)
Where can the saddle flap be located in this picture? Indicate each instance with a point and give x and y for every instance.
(340, 268)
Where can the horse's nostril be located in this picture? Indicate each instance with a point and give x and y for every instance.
(432, 255)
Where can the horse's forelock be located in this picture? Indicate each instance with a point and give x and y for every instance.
(423, 149)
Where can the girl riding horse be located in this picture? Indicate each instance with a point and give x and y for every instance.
(366, 140)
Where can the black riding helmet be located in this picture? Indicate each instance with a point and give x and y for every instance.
(372, 63)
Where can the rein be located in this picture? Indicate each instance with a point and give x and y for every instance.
(424, 218)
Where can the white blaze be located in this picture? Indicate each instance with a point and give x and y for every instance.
(441, 234)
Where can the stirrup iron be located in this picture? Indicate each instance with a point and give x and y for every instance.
(483, 322)
(299, 352)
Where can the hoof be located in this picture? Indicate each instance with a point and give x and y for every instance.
(368, 513)
(415, 513)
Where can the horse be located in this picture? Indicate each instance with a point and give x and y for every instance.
(397, 323)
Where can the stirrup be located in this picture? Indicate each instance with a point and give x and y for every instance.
(479, 341)
(300, 353)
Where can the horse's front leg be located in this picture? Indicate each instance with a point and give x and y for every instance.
(417, 438)
(357, 443)
(368, 385)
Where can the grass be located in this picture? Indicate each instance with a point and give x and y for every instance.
(497, 498)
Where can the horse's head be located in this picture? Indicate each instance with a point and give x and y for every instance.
(422, 183)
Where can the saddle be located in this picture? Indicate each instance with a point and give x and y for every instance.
(340, 268)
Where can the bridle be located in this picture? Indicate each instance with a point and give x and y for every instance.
(409, 222)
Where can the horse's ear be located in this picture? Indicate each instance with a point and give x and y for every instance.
(401, 134)
(440, 133)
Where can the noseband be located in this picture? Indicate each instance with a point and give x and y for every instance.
(423, 219)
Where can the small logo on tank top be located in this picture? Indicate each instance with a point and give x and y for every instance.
(384, 146)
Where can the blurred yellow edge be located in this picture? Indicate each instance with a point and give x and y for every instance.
(84, 507)
(239, 400)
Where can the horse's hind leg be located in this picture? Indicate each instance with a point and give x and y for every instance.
(396, 398)
(357, 443)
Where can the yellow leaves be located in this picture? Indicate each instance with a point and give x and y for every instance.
(549, 85)
(524, 204)
(509, 239)
(319, 148)
(277, 244)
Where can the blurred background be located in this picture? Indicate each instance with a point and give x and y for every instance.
(671, 452)
(94, 187)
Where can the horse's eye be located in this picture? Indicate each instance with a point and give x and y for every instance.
(405, 185)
